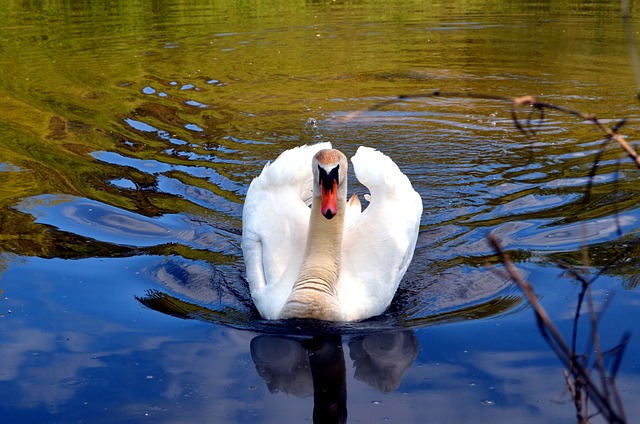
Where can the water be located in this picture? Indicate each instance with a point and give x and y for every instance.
(129, 135)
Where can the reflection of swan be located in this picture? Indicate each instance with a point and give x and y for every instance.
(332, 261)
(329, 383)
(283, 364)
(301, 367)
(292, 365)
(381, 359)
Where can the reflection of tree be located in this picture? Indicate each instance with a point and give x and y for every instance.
(621, 259)
(23, 236)
(632, 281)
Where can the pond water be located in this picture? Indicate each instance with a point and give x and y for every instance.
(129, 134)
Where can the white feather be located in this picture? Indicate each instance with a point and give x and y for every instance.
(377, 244)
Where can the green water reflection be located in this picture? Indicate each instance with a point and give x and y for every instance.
(162, 109)
(215, 81)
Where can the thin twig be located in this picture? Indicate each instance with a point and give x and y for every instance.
(516, 102)
(615, 367)
(595, 338)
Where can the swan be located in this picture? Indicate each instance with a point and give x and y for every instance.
(310, 253)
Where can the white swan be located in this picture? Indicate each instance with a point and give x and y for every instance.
(330, 261)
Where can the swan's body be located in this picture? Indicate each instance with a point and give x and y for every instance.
(330, 261)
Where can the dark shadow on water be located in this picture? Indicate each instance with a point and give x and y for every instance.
(316, 365)
(305, 357)
(303, 367)
(171, 305)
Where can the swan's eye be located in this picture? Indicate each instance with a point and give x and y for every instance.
(327, 180)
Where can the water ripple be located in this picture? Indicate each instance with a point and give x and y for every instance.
(102, 222)
(152, 166)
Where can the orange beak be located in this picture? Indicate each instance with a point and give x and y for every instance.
(330, 200)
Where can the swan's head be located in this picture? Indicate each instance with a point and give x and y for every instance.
(329, 179)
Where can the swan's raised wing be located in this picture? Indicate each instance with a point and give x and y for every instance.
(275, 220)
(378, 245)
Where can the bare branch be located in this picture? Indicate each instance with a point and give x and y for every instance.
(515, 103)
(600, 396)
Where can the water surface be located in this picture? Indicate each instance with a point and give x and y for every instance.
(129, 135)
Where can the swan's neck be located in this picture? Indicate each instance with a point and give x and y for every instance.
(314, 293)
(324, 243)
